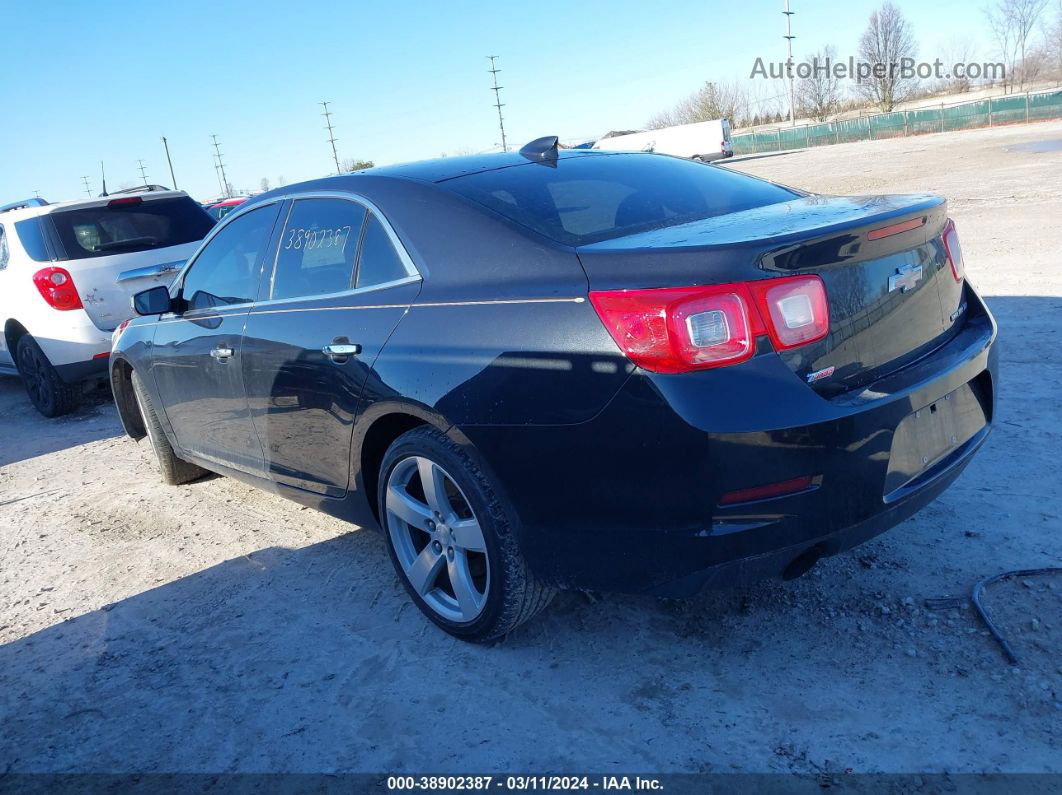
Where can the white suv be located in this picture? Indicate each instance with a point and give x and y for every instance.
(67, 272)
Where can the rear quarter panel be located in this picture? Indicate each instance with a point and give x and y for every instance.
(502, 332)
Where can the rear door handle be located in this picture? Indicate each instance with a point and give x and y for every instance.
(341, 349)
(221, 353)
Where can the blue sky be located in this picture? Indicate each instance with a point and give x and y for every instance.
(83, 82)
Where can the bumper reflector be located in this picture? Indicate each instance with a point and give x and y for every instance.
(779, 489)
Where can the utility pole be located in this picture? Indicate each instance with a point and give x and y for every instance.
(88, 190)
(143, 171)
(166, 146)
(789, 61)
(220, 167)
(497, 99)
(331, 135)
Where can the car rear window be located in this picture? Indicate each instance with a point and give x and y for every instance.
(588, 198)
(122, 228)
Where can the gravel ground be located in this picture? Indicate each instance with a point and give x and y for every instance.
(214, 627)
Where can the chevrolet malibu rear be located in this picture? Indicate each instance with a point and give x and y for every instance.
(618, 371)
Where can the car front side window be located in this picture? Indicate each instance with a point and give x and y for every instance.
(317, 248)
(227, 270)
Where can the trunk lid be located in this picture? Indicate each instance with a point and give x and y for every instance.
(106, 298)
(891, 293)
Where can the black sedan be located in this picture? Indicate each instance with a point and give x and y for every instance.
(554, 369)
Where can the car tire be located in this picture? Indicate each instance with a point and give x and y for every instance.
(433, 559)
(47, 391)
(174, 470)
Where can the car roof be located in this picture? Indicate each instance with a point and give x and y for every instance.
(444, 168)
(34, 210)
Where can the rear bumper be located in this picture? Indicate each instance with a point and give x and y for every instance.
(630, 500)
(71, 342)
(84, 371)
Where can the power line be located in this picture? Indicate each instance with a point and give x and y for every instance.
(331, 135)
(497, 99)
(88, 190)
(143, 171)
(220, 168)
(789, 61)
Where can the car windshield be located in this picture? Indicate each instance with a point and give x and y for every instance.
(589, 198)
(121, 228)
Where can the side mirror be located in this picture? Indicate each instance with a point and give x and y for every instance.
(152, 302)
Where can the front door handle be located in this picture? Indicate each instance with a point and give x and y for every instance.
(221, 353)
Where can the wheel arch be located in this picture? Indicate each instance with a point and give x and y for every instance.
(125, 399)
(380, 431)
(381, 425)
(13, 332)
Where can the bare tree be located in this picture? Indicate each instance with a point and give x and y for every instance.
(1012, 22)
(710, 101)
(819, 94)
(958, 50)
(1054, 44)
(264, 184)
(350, 164)
(885, 45)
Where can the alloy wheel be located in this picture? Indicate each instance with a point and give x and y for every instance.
(437, 539)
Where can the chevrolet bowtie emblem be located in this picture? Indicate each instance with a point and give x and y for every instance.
(905, 278)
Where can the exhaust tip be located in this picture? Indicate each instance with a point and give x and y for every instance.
(803, 563)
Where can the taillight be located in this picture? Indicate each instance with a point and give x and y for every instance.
(127, 200)
(796, 308)
(954, 251)
(57, 288)
(118, 332)
(676, 330)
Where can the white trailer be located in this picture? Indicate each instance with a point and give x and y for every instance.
(703, 140)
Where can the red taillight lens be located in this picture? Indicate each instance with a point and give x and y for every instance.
(676, 330)
(125, 201)
(797, 310)
(57, 288)
(954, 251)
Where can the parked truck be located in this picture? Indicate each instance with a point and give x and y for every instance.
(703, 140)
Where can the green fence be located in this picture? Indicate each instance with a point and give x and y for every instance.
(1012, 109)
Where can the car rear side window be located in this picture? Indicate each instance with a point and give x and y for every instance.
(130, 224)
(228, 267)
(31, 235)
(318, 248)
(380, 262)
(585, 199)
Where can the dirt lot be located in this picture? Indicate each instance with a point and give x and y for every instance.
(216, 628)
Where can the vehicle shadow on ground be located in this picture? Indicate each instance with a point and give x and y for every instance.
(283, 659)
(25, 433)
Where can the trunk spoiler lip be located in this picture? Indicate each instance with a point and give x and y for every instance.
(799, 220)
